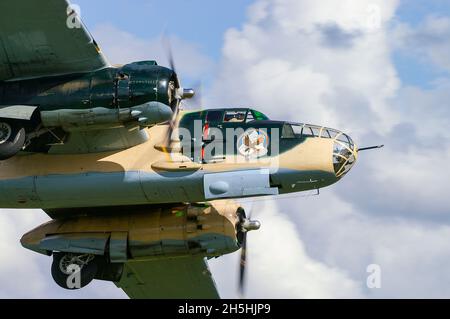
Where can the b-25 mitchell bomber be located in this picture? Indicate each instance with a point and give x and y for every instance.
(140, 193)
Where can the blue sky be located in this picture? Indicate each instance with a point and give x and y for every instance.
(199, 21)
(412, 70)
(413, 11)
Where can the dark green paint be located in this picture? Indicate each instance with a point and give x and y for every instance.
(147, 82)
(274, 129)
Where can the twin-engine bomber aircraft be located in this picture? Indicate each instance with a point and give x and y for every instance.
(139, 192)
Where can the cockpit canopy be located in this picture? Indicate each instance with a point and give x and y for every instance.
(223, 118)
(239, 115)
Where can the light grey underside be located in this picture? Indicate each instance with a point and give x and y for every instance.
(36, 41)
(238, 184)
(178, 278)
(18, 112)
(94, 189)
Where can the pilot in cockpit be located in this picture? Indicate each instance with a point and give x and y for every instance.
(234, 117)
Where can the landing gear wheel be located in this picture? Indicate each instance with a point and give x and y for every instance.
(12, 139)
(65, 264)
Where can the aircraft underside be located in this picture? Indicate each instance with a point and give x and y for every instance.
(109, 243)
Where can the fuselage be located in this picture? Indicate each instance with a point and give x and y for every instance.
(148, 174)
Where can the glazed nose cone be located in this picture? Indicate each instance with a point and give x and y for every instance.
(345, 155)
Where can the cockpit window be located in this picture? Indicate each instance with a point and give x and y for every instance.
(235, 116)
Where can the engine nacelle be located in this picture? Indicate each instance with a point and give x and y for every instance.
(147, 114)
(141, 232)
(151, 113)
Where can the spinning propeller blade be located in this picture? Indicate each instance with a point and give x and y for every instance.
(180, 93)
(245, 225)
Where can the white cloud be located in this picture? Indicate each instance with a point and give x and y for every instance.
(14, 260)
(426, 109)
(413, 255)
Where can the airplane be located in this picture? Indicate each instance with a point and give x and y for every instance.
(140, 193)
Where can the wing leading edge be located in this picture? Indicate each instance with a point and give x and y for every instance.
(43, 38)
(178, 278)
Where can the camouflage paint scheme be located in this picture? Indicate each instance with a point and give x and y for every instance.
(147, 174)
(143, 233)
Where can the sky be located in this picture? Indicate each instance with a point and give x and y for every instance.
(376, 69)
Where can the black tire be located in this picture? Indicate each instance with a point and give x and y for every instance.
(12, 139)
(87, 271)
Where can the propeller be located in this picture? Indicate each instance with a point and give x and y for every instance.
(169, 52)
(244, 226)
(180, 93)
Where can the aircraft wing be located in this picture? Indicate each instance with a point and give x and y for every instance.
(44, 38)
(177, 278)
